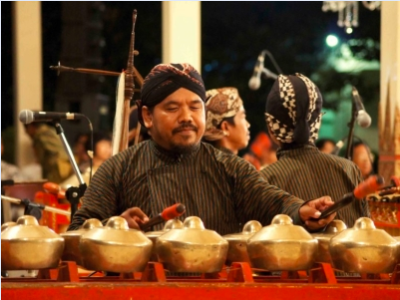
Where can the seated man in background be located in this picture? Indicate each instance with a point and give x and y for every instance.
(49, 152)
(293, 115)
(80, 153)
(175, 166)
(226, 125)
(9, 171)
(102, 150)
(262, 152)
(326, 145)
(363, 158)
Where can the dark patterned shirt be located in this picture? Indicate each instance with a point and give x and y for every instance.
(220, 188)
(308, 173)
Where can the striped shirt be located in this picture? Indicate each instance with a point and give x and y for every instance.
(308, 173)
(220, 188)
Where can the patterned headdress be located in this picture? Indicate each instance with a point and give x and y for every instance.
(164, 79)
(293, 110)
(221, 103)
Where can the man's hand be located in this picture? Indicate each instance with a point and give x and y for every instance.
(312, 210)
(135, 217)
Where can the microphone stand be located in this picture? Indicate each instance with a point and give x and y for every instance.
(269, 74)
(271, 57)
(354, 114)
(73, 194)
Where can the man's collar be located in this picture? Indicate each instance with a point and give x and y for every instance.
(289, 149)
(226, 150)
(171, 156)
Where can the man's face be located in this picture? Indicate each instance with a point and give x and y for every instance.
(103, 150)
(328, 147)
(79, 148)
(361, 157)
(178, 122)
(272, 137)
(238, 134)
(30, 129)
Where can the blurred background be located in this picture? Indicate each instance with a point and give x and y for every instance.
(301, 37)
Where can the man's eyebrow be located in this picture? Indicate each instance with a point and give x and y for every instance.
(196, 101)
(171, 102)
(176, 102)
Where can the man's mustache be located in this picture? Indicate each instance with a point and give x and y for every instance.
(184, 127)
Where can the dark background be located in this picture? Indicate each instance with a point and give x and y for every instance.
(233, 35)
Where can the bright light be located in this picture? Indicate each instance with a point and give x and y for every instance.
(349, 30)
(332, 40)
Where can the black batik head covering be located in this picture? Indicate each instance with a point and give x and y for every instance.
(293, 109)
(164, 79)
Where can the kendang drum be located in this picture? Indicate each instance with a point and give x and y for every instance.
(282, 246)
(237, 251)
(192, 248)
(364, 249)
(72, 240)
(324, 238)
(115, 248)
(29, 246)
(153, 235)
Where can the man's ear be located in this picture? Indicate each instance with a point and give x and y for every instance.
(147, 116)
(225, 127)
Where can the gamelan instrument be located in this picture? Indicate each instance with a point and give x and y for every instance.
(5, 225)
(36, 207)
(72, 240)
(324, 238)
(282, 246)
(171, 212)
(392, 188)
(153, 235)
(364, 249)
(115, 248)
(365, 188)
(237, 251)
(127, 78)
(28, 246)
(192, 248)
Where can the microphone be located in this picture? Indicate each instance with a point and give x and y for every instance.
(363, 118)
(255, 80)
(28, 116)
